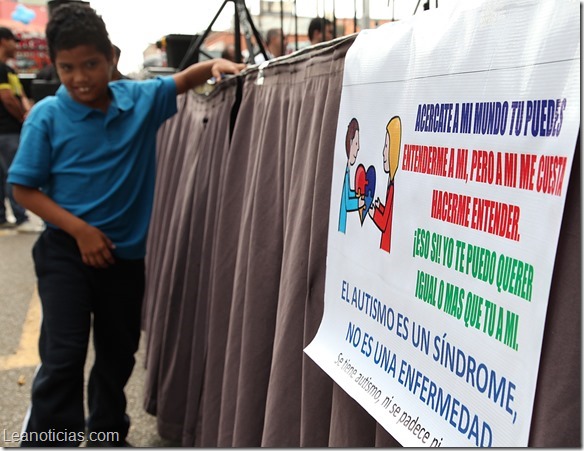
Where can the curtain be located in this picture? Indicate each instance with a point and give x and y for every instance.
(191, 150)
(236, 265)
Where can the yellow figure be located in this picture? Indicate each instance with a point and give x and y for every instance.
(382, 214)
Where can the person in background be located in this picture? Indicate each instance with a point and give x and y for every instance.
(228, 52)
(14, 106)
(48, 73)
(86, 165)
(276, 44)
(320, 30)
(116, 74)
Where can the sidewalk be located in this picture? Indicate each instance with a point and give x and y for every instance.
(19, 326)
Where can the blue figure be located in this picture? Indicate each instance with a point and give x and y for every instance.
(349, 199)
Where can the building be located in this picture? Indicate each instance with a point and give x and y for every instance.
(27, 19)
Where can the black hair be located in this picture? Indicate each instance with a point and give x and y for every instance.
(317, 24)
(73, 24)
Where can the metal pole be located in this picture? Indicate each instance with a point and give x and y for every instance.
(250, 27)
(237, 37)
(365, 19)
(194, 47)
(322, 21)
(417, 6)
(355, 17)
(296, 24)
(283, 50)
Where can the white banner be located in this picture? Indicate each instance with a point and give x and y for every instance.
(453, 152)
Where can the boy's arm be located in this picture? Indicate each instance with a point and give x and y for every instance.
(199, 73)
(94, 245)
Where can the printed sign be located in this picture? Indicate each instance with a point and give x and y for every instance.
(454, 146)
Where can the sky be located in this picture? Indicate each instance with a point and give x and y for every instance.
(133, 24)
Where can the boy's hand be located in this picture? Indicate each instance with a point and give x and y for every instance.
(95, 247)
(224, 66)
(198, 73)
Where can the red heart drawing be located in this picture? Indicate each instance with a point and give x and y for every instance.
(365, 188)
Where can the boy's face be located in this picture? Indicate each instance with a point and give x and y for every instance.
(85, 72)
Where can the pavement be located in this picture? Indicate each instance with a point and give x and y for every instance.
(19, 331)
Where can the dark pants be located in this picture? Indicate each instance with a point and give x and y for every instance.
(70, 293)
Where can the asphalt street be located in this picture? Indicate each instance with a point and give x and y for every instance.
(19, 329)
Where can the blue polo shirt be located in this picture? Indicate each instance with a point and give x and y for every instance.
(99, 166)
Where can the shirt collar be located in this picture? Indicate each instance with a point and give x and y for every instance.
(78, 111)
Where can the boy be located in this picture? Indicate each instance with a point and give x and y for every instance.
(86, 165)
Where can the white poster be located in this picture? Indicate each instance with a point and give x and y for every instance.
(454, 146)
